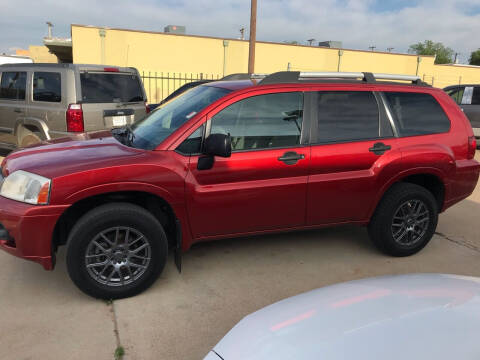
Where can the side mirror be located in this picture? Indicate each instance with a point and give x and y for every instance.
(218, 145)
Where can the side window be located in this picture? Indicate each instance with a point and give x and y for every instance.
(192, 144)
(47, 87)
(456, 94)
(417, 114)
(348, 116)
(476, 96)
(12, 85)
(262, 122)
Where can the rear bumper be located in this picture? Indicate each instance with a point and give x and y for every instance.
(26, 230)
(464, 182)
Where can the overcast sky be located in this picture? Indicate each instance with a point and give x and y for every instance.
(358, 23)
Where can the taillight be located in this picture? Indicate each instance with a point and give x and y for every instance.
(111, 69)
(472, 147)
(74, 118)
(147, 109)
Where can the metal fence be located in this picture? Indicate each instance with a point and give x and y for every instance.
(158, 85)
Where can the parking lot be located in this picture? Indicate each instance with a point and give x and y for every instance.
(44, 316)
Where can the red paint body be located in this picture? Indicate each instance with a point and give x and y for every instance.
(249, 193)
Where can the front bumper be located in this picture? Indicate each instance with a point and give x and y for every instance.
(27, 230)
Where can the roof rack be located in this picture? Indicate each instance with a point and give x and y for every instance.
(297, 76)
(243, 76)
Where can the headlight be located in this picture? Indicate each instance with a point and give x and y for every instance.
(26, 187)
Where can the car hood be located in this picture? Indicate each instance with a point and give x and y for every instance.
(71, 154)
(418, 316)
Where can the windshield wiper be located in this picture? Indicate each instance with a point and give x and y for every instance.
(124, 134)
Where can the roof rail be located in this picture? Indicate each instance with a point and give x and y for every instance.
(297, 76)
(243, 76)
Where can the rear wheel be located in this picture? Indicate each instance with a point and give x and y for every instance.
(405, 220)
(116, 251)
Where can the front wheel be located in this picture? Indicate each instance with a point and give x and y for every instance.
(116, 251)
(405, 220)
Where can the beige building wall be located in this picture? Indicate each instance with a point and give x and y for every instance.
(41, 54)
(154, 53)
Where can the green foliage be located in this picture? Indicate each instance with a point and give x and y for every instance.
(119, 353)
(428, 47)
(475, 58)
(292, 42)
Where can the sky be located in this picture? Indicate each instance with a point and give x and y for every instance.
(357, 23)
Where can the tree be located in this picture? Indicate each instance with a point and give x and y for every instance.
(428, 47)
(475, 58)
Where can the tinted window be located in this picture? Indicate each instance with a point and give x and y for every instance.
(347, 116)
(192, 144)
(47, 87)
(12, 85)
(264, 121)
(476, 96)
(417, 114)
(456, 94)
(110, 87)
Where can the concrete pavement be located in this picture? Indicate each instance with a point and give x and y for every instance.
(43, 315)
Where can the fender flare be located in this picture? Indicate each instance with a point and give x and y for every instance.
(39, 124)
(403, 174)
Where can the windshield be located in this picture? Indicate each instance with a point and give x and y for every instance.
(153, 129)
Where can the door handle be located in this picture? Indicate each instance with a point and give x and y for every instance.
(18, 110)
(291, 157)
(379, 148)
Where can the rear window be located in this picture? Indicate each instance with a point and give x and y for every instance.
(47, 87)
(12, 85)
(417, 114)
(110, 87)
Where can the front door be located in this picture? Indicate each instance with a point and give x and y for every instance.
(262, 186)
(351, 139)
(471, 106)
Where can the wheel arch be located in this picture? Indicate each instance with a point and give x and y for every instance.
(156, 205)
(430, 178)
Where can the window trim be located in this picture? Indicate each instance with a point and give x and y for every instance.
(306, 127)
(32, 90)
(381, 118)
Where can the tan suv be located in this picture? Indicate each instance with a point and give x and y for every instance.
(45, 101)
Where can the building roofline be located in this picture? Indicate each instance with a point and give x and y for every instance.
(239, 40)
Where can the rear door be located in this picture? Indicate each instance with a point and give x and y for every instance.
(13, 86)
(351, 138)
(111, 98)
(262, 186)
(471, 106)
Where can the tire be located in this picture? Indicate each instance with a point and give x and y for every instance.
(128, 244)
(26, 137)
(394, 227)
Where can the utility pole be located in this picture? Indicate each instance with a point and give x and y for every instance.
(253, 36)
(50, 25)
(242, 33)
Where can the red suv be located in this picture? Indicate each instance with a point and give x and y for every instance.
(235, 158)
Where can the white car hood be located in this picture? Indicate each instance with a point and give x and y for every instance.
(417, 316)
